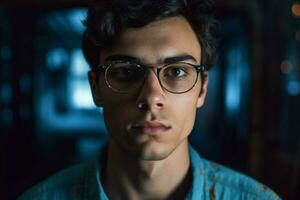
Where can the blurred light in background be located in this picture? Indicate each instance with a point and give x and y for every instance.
(64, 104)
(68, 20)
(88, 148)
(81, 95)
(80, 92)
(236, 78)
(5, 52)
(237, 74)
(290, 68)
(6, 116)
(75, 18)
(79, 67)
(57, 58)
(293, 88)
(233, 83)
(286, 67)
(296, 9)
(6, 93)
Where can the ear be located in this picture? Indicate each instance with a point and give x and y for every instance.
(203, 91)
(96, 92)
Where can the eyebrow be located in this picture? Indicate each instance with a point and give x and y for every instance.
(173, 59)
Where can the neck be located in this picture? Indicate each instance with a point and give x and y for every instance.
(126, 177)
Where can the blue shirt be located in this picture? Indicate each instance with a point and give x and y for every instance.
(210, 181)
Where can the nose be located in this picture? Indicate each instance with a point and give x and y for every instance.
(151, 96)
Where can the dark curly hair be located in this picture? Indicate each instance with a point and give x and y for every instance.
(106, 18)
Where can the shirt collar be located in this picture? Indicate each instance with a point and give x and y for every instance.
(196, 188)
(95, 189)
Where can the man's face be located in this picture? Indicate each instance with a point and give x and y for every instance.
(150, 122)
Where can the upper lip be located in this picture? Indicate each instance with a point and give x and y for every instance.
(150, 124)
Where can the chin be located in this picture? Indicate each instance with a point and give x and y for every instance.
(152, 153)
(154, 157)
(149, 150)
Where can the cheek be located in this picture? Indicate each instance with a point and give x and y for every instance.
(187, 102)
(114, 119)
(113, 109)
(116, 110)
(185, 111)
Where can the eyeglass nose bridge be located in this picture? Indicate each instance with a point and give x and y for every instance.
(155, 69)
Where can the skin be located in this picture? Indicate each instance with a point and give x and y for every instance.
(141, 163)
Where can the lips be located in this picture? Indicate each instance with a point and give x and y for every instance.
(150, 127)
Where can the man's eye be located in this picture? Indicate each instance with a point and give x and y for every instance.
(175, 72)
(125, 72)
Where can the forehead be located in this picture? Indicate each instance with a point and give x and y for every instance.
(163, 38)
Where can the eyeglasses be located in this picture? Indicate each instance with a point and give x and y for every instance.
(125, 77)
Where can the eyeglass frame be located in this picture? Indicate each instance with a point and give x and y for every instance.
(199, 69)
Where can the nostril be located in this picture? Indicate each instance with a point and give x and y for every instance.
(159, 104)
(142, 106)
(146, 106)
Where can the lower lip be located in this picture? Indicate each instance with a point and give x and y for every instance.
(151, 130)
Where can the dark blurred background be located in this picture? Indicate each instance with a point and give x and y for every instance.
(250, 121)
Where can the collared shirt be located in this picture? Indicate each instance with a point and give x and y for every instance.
(210, 182)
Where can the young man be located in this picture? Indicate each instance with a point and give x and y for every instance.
(149, 64)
